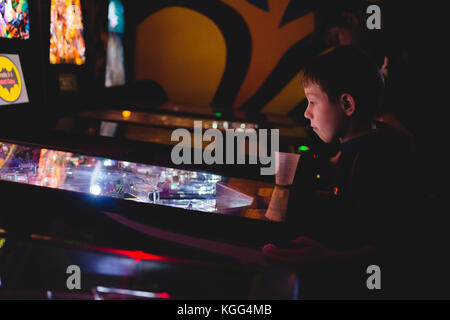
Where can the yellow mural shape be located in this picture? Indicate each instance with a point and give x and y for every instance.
(184, 52)
(12, 94)
(291, 95)
(269, 42)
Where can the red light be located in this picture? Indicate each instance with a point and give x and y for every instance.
(335, 191)
(163, 295)
(137, 255)
(39, 237)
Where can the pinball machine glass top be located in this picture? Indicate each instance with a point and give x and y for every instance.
(67, 45)
(97, 176)
(14, 19)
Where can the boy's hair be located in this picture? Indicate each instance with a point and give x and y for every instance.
(332, 13)
(347, 69)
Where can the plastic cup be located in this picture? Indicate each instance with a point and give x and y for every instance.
(286, 166)
(278, 204)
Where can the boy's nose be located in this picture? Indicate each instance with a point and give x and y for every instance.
(307, 113)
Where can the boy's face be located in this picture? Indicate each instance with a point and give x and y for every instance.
(326, 117)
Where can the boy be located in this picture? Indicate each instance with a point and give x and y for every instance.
(363, 215)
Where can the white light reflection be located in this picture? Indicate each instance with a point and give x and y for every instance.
(134, 293)
(96, 190)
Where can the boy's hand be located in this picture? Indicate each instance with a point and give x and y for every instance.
(302, 253)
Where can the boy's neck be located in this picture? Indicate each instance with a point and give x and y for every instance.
(354, 132)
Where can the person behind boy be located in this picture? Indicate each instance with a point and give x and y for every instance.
(365, 214)
(344, 23)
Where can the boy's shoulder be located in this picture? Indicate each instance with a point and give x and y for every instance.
(383, 139)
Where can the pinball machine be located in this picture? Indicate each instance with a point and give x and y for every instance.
(131, 226)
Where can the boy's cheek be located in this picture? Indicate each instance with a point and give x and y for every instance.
(331, 121)
(326, 124)
(328, 130)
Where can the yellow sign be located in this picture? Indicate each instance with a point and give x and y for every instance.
(10, 80)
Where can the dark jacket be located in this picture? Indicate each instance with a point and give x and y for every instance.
(369, 198)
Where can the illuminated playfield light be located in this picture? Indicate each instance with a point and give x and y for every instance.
(126, 114)
(95, 190)
(218, 114)
(303, 148)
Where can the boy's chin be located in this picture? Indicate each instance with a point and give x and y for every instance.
(324, 138)
(320, 135)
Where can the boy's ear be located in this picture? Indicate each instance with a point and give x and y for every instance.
(348, 104)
